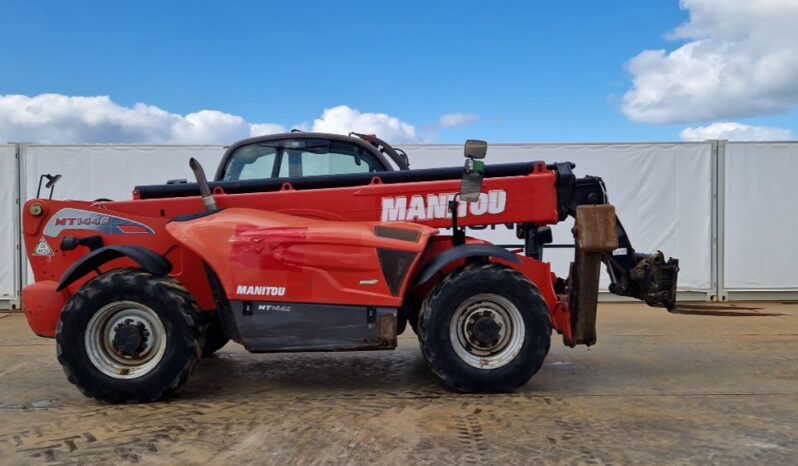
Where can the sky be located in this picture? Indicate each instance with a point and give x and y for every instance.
(411, 72)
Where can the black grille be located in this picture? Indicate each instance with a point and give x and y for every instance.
(395, 265)
(397, 233)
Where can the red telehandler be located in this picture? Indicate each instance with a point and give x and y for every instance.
(322, 242)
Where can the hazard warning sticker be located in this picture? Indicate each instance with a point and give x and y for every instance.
(43, 249)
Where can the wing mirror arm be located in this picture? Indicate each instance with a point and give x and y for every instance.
(470, 184)
(51, 181)
(458, 234)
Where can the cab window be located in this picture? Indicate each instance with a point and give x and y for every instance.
(253, 162)
(299, 157)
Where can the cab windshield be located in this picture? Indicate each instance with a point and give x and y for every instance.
(290, 158)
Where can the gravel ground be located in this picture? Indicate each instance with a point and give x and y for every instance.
(657, 388)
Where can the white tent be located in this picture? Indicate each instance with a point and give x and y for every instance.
(9, 229)
(726, 210)
(760, 220)
(662, 194)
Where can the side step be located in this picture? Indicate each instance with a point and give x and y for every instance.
(282, 327)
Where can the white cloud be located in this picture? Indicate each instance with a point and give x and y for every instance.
(54, 118)
(736, 132)
(343, 119)
(456, 120)
(740, 60)
(261, 129)
(60, 119)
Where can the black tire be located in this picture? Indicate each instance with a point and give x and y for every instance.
(164, 300)
(410, 309)
(412, 320)
(215, 338)
(452, 297)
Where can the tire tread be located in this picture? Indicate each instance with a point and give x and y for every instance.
(163, 289)
(431, 350)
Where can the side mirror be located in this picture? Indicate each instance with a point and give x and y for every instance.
(475, 149)
(471, 183)
(51, 180)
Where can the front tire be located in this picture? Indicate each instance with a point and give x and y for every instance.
(485, 328)
(129, 336)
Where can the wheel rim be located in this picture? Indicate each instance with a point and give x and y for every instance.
(487, 331)
(125, 340)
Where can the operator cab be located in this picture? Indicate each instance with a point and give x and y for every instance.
(296, 155)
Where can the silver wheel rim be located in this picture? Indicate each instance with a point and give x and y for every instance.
(102, 329)
(501, 312)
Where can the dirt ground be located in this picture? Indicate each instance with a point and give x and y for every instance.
(657, 388)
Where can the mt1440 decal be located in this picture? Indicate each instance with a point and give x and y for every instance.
(76, 219)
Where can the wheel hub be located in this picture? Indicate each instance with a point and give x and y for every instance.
(485, 331)
(130, 338)
(125, 339)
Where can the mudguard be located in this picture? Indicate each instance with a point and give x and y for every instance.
(462, 252)
(149, 260)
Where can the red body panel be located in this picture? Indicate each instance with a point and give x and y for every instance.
(527, 199)
(318, 261)
(58, 220)
(284, 258)
(43, 306)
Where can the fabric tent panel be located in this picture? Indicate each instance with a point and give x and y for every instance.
(760, 220)
(662, 193)
(111, 171)
(9, 264)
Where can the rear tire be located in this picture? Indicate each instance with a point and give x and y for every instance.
(485, 328)
(129, 336)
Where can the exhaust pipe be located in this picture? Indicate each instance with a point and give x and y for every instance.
(202, 181)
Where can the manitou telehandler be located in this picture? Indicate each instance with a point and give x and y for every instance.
(322, 242)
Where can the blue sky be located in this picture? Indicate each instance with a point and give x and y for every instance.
(518, 72)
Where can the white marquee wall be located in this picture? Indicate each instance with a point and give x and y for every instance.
(111, 171)
(8, 225)
(662, 192)
(760, 217)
